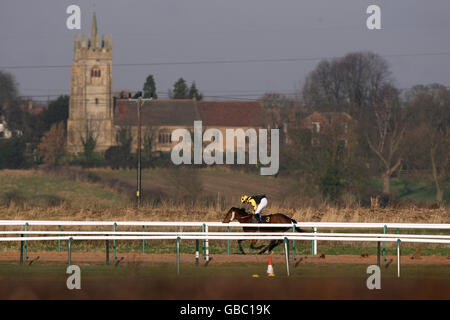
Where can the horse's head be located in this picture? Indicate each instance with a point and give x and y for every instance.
(234, 214)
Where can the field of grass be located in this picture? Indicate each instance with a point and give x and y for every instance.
(211, 187)
(418, 190)
(229, 185)
(215, 184)
(34, 189)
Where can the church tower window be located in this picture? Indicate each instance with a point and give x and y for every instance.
(95, 72)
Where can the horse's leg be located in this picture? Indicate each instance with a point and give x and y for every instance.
(271, 246)
(252, 245)
(276, 244)
(240, 246)
(267, 247)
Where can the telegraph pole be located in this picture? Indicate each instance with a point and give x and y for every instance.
(139, 143)
(139, 176)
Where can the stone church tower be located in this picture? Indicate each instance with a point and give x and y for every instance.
(91, 105)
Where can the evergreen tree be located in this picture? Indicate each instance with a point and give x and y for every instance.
(8, 90)
(89, 142)
(150, 88)
(193, 92)
(12, 153)
(57, 111)
(180, 89)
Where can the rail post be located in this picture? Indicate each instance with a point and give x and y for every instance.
(315, 242)
(26, 245)
(398, 258)
(203, 243)
(207, 244)
(293, 244)
(196, 252)
(312, 243)
(59, 241)
(384, 244)
(143, 240)
(21, 250)
(70, 251)
(228, 242)
(107, 252)
(114, 242)
(286, 254)
(178, 256)
(378, 253)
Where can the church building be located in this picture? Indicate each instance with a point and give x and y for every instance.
(95, 112)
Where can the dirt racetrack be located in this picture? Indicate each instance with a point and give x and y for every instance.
(154, 276)
(99, 257)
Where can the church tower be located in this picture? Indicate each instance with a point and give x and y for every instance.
(91, 85)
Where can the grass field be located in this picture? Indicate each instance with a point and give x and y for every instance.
(219, 185)
(231, 185)
(217, 188)
(35, 189)
(418, 190)
(29, 194)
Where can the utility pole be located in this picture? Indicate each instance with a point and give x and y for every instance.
(139, 176)
(139, 143)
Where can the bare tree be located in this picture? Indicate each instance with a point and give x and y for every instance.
(429, 107)
(52, 146)
(385, 132)
(347, 83)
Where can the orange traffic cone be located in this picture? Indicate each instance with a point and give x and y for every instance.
(270, 272)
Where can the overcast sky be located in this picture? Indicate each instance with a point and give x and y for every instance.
(154, 31)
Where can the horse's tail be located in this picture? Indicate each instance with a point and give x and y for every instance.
(297, 229)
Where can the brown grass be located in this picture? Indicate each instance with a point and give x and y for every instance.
(167, 212)
(220, 190)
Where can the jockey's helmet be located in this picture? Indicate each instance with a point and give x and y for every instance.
(244, 198)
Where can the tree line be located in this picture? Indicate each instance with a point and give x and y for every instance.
(391, 129)
(180, 90)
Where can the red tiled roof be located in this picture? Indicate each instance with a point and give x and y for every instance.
(231, 113)
(185, 112)
(37, 111)
(156, 112)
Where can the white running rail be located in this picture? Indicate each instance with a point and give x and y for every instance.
(206, 235)
(363, 225)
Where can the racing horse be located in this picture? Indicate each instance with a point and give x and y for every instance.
(242, 216)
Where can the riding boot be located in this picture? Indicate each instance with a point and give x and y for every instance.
(258, 217)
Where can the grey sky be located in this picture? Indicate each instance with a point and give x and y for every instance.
(35, 33)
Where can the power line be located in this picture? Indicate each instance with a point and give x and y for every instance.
(252, 95)
(224, 61)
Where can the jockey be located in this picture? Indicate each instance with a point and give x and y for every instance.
(258, 203)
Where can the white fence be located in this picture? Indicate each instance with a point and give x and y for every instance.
(205, 235)
(351, 225)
